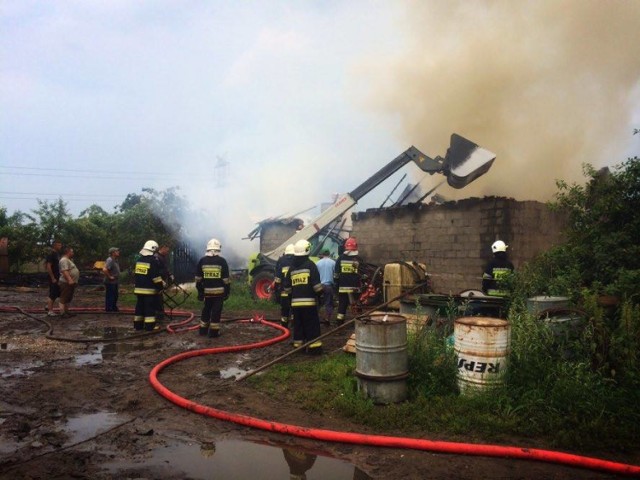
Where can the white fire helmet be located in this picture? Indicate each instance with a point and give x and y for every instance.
(214, 246)
(290, 250)
(499, 246)
(150, 246)
(302, 248)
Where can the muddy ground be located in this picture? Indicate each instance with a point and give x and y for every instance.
(87, 410)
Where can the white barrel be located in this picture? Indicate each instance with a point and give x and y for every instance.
(382, 362)
(482, 346)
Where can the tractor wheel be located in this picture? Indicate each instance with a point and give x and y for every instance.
(260, 286)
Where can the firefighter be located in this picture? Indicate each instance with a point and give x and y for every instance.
(497, 270)
(302, 282)
(282, 267)
(148, 284)
(214, 287)
(347, 277)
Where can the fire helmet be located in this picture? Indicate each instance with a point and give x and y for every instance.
(302, 248)
(351, 246)
(290, 250)
(149, 247)
(214, 245)
(499, 246)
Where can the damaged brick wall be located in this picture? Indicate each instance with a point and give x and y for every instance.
(274, 234)
(454, 239)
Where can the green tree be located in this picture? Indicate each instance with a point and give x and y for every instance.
(604, 228)
(22, 234)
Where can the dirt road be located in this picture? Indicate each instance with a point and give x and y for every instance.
(87, 410)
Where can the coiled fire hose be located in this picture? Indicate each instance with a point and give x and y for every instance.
(458, 448)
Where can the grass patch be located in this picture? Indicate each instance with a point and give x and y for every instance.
(551, 391)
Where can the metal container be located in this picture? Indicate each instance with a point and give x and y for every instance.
(423, 310)
(536, 305)
(487, 306)
(400, 277)
(382, 362)
(482, 345)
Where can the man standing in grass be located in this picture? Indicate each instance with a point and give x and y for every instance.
(326, 267)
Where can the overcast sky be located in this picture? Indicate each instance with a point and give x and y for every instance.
(260, 108)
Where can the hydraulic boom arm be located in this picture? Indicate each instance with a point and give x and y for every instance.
(464, 162)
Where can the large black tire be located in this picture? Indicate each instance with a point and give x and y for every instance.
(260, 285)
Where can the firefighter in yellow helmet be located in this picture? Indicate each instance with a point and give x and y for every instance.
(302, 282)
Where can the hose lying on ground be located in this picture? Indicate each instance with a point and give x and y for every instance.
(372, 440)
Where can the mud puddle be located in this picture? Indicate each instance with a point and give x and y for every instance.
(235, 459)
(83, 427)
(103, 351)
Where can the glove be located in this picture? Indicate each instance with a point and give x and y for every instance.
(201, 296)
(171, 279)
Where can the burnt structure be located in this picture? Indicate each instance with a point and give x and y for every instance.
(453, 239)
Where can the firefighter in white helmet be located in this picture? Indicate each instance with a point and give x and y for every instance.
(147, 285)
(302, 282)
(497, 270)
(282, 267)
(214, 286)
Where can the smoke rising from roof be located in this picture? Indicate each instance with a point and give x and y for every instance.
(546, 85)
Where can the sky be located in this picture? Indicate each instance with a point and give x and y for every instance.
(256, 109)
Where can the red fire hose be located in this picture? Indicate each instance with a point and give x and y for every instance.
(372, 440)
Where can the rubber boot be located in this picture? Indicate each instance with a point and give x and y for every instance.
(138, 325)
(214, 333)
(203, 330)
(315, 348)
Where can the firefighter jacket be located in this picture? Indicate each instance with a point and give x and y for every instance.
(302, 283)
(212, 275)
(148, 280)
(497, 269)
(346, 273)
(282, 267)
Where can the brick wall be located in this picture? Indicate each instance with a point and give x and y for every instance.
(454, 239)
(275, 234)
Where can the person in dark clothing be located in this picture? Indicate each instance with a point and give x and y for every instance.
(282, 267)
(147, 285)
(302, 282)
(347, 277)
(52, 264)
(214, 286)
(496, 270)
(111, 271)
(162, 257)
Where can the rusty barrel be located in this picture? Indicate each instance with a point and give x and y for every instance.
(482, 346)
(382, 362)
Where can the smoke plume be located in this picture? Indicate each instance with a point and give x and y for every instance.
(546, 85)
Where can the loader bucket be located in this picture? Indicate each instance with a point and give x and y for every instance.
(465, 161)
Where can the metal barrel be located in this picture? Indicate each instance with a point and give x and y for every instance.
(482, 346)
(382, 362)
(537, 304)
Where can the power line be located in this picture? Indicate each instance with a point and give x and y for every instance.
(59, 194)
(77, 170)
